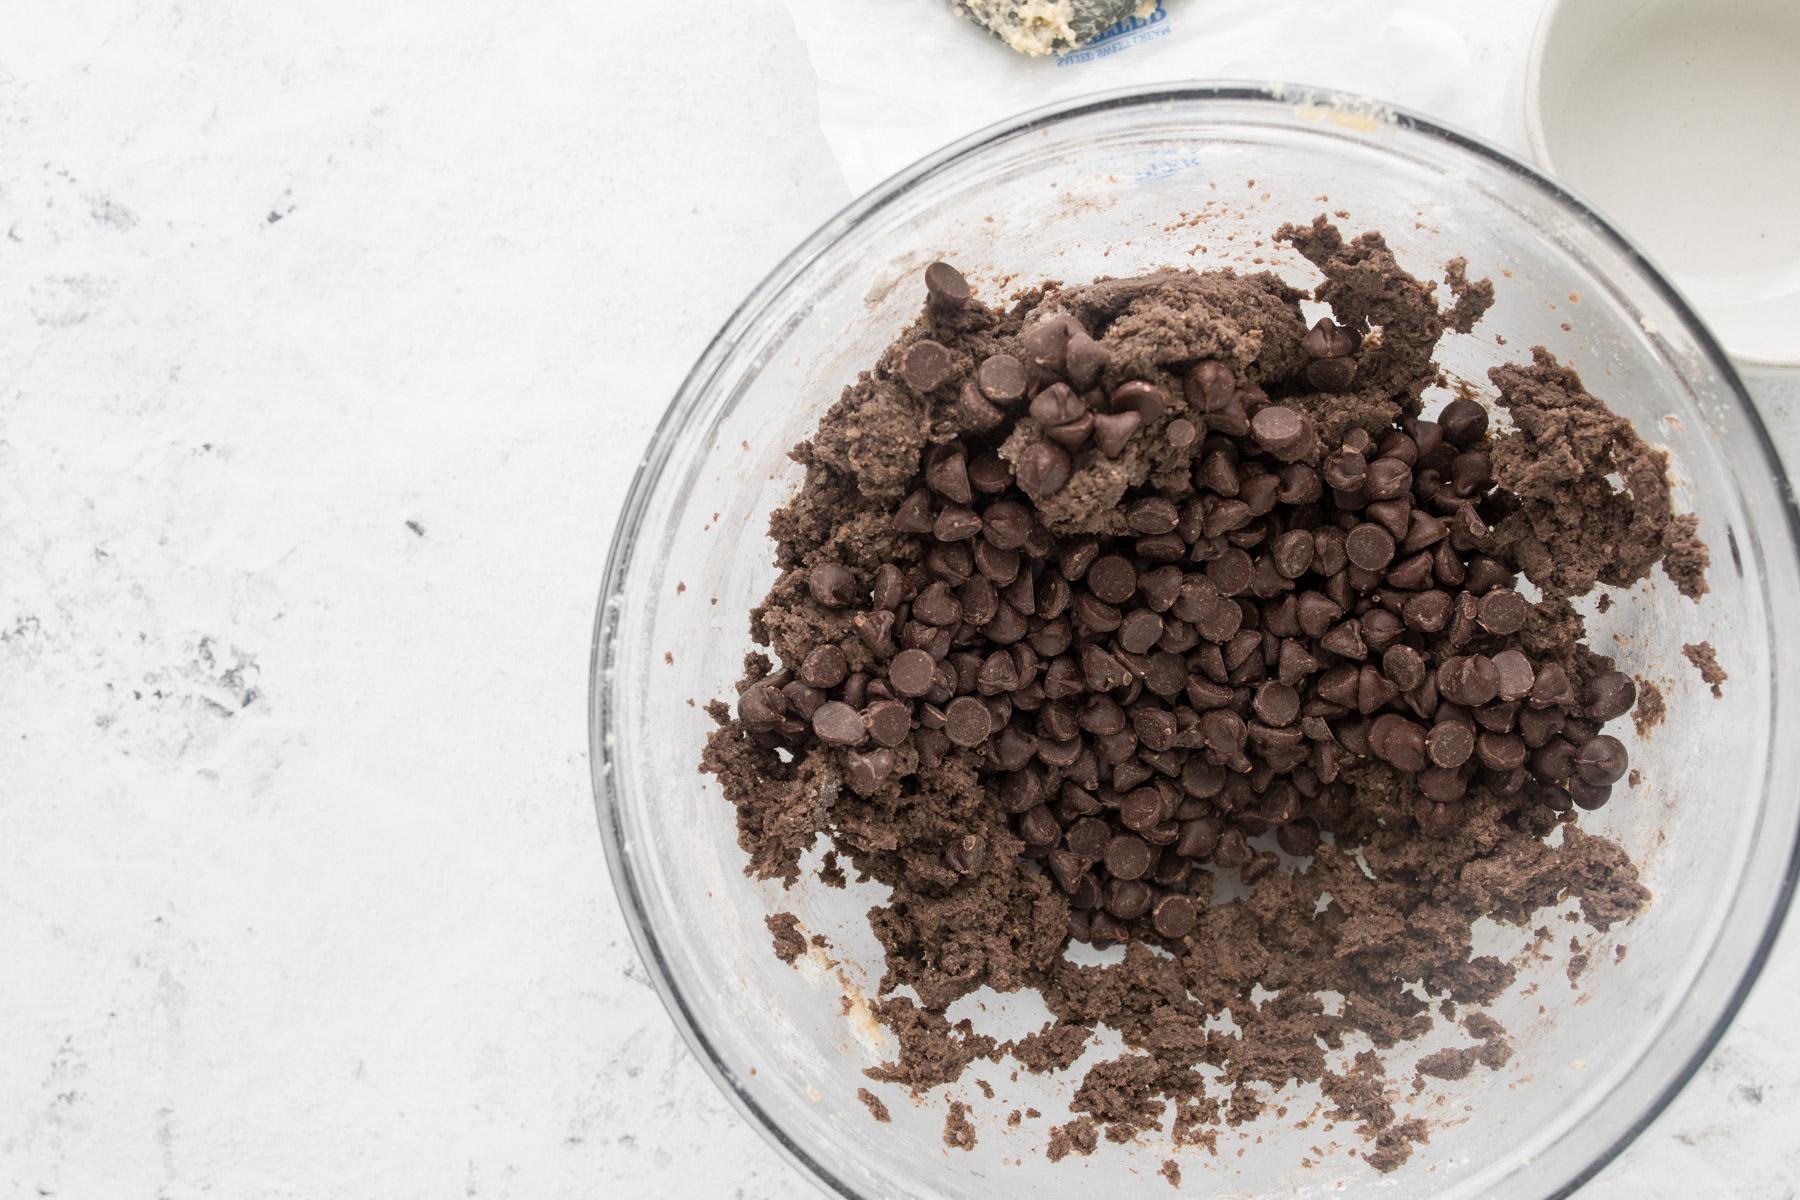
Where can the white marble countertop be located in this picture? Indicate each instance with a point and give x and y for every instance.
(330, 334)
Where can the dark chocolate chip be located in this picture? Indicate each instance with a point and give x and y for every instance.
(1112, 430)
(825, 667)
(1502, 611)
(1463, 421)
(832, 585)
(1369, 546)
(1001, 378)
(1128, 856)
(927, 365)
(1449, 744)
(945, 287)
(838, 724)
(1279, 430)
(967, 721)
(1043, 469)
(1145, 399)
(1057, 405)
(1602, 761)
(866, 771)
(1610, 694)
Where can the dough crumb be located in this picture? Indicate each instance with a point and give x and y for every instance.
(790, 942)
(1706, 661)
(874, 1104)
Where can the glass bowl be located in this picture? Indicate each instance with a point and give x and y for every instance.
(1114, 185)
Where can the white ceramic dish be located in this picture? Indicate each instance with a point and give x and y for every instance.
(1677, 119)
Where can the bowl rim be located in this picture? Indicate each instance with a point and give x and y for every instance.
(604, 649)
(1539, 140)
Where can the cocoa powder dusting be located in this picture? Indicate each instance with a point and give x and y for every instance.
(1036, 665)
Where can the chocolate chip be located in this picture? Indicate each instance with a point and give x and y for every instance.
(1140, 630)
(1101, 671)
(1328, 339)
(937, 605)
(1428, 612)
(889, 591)
(1469, 680)
(1276, 704)
(956, 523)
(966, 855)
(866, 771)
(1346, 470)
(1002, 378)
(1127, 899)
(1552, 688)
(1471, 473)
(1279, 430)
(1043, 469)
(1039, 828)
(825, 667)
(912, 672)
(1449, 744)
(761, 706)
(989, 474)
(838, 724)
(948, 475)
(1463, 422)
(1145, 399)
(1233, 852)
(1112, 430)
(1084, 358)
(1399, 741)
(967, 721)
(1174, 916)
(1411, 574)
(1112, 579)
(1057, 405)
(889, 722)
(1516, 674)
(927, 366)
(1502, 611)
(1046, 343)
(1501, 751)
(1610, 694)
(1128, 856)
(1369, 546)
(974, 413)
(1602, 761)
(1074, 434)
(1231, 572)
(1292, 553)
(1345, 640)
(914, 513)
(832, 585)
(945, 287)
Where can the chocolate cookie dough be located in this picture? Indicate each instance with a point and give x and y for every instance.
(1093, 599)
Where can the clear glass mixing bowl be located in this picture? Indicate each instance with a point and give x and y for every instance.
(1100, 187)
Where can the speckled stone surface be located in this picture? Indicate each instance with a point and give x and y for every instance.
(330, 335)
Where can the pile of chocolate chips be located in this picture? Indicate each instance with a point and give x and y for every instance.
(1150, 700)
(1096, 599)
